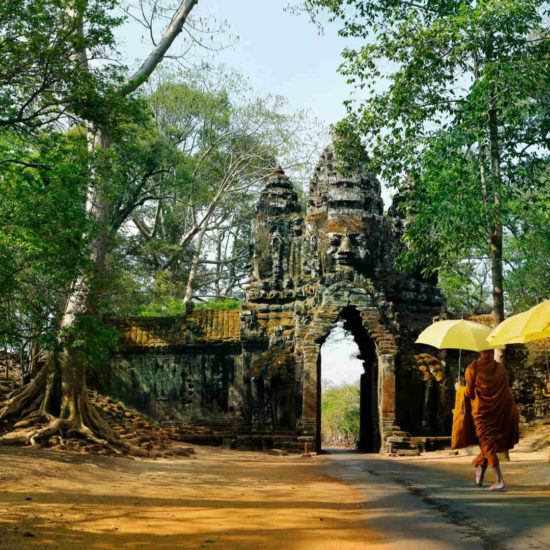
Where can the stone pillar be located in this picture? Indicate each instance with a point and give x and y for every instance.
(307, 424)
(386, 393)
(236, 390)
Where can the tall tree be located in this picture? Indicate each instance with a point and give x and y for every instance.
(41, 79)
(456, 100)
(75, 413)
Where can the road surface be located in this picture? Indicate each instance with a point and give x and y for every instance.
(433, 503)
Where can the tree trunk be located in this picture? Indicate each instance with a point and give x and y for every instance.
(34, 353)
(495, 197)
(496, 229)
(194, 266)
(217, 287)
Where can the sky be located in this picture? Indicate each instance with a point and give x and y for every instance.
(339, 363)
(283, 54)
(279, 52)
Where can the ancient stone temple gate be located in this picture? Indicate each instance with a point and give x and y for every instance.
(255, 372)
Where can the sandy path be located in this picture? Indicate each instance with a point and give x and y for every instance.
(241, 500)
(221, 499)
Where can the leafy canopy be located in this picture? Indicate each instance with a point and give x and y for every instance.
(451, 101)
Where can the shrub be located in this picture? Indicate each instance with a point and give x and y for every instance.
(340, 418)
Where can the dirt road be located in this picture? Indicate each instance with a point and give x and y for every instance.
(221, 499)
(238, 500)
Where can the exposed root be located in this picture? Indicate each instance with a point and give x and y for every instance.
(29, 420)
(88, 434)
(77, 415)
(51, 429)
(24, 400)
(60, 418)
(57, 426)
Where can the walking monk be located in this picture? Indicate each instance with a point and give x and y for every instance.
(494, 412)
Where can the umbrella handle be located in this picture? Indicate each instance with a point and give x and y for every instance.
(546, 359)
(459, 363)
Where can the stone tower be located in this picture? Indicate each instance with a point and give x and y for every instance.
(337, 261)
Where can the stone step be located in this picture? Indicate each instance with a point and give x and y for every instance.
(435, 443)
(282, 438)
(297, 447)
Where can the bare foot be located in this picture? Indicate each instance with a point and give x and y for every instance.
(497, 487)
(480, 474)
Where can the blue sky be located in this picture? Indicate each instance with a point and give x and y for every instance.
(281, 53)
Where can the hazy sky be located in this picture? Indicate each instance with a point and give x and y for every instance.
(339, 363)
(279, 52)
(283, 54)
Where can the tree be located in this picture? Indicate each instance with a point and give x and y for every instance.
(193, 240)
(41, 78)
(456, 102)
(527, 256)
(340, 414)
(41, 245)
(75, 413)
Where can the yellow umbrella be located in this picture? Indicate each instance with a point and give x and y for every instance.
(533, 324)
(530, 325)
(457, 334)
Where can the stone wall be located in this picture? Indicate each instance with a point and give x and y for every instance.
(198, 386)
(528, 370)
(186, 369)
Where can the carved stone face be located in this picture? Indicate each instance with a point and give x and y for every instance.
(347, 250)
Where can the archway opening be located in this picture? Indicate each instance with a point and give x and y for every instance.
(347, 387)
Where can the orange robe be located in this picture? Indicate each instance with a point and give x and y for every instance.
(494, 411)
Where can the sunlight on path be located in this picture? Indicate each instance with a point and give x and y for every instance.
(219, 500)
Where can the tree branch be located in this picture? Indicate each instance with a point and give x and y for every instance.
(155, 57)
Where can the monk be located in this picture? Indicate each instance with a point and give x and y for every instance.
(494, 412)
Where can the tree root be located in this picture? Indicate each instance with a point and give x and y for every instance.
(59, 426)
(77, 417)
(24, 399)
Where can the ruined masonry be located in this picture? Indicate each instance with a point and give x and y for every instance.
(251, 377)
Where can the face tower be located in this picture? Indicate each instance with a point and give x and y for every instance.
(335, 260)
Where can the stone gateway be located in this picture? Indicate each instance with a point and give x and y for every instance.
(252, 376)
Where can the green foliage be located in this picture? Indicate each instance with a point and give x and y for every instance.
(452, 105)
(219, 140)
(42, 220)
(466, 285)
(92, 338)
(41, 78)
(168, 307)
(172, 306)
(528, 247)
(340, 420)
(219, 304)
